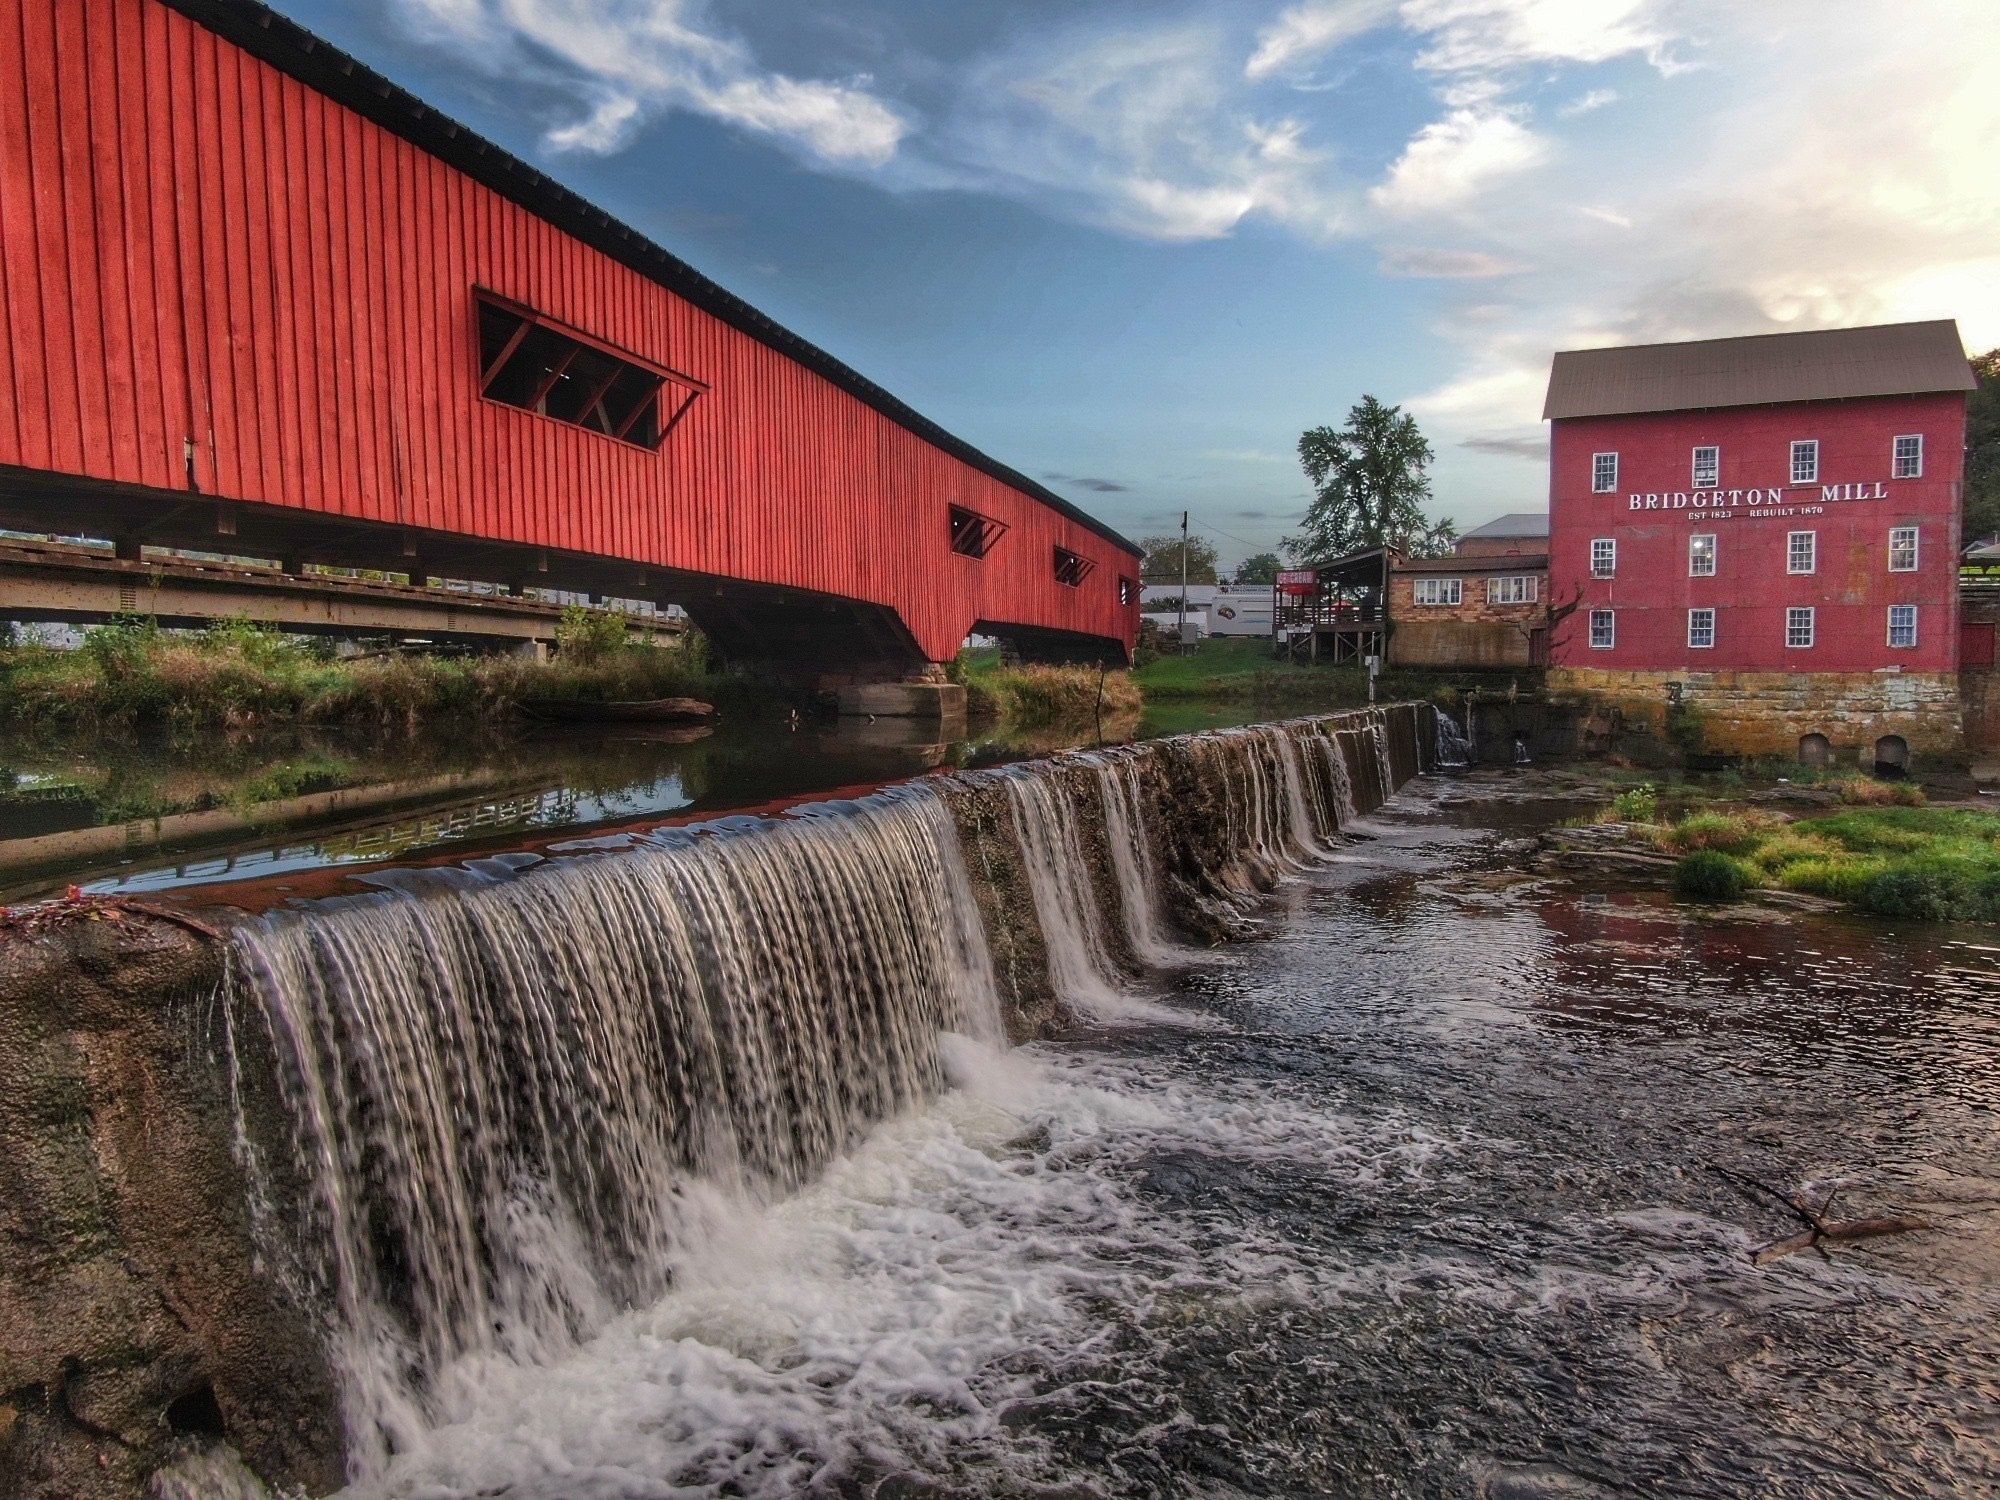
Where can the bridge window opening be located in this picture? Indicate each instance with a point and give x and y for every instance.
(1071, 570)
(533, 365)
(974, 535)
(1127, 591)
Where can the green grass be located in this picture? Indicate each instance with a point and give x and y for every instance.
(1921, 863)
(1035, 697)
(130, 674)
(1225, 669)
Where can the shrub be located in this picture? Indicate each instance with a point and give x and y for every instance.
(589, 635)
(1710, 875)
(1938, 889)
(1866, 791)
(1640, 804)
(1732, 833)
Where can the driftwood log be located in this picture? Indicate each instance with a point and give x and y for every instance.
(1819, 1230)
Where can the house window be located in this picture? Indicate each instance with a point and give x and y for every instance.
(1127, 591)
(973, 535)
(1907, 460)
(1801, 551)
(1701, 628)
(1603, 473)
(1707, 468)
(534, 364)
(1438, 590)
(1701, 555)
(1903, 626)
(1902, 549)
(1805, 461)
(1603, 557)
(1522, 590)
(1798, 627)
(1071, 570)
(1603, 629)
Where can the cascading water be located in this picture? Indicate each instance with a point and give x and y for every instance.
(1132, 858)
(501, 1090)
(1454, 750)
(524, 1094)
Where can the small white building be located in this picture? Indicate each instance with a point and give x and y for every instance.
(1216, 608)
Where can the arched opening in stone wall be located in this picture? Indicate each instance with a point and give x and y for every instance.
(1892, 756)
(1815, 750)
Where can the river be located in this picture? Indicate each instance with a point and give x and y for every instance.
(1423, 1189)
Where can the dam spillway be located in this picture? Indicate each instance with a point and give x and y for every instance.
(480, 1115)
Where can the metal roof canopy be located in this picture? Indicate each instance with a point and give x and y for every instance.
(297, 52)
(1356, 570)
(1887, 359)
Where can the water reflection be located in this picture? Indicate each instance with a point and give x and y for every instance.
(113, 816)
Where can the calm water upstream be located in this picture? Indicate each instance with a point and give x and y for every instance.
(1414, 1194)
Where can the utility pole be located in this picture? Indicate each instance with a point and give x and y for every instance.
(1184, 540)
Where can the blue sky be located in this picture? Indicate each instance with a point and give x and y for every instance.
(1136, 246)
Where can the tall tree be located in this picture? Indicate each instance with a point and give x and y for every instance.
(1262, 568)
(1982, 450)
(1163, 560)
(1370, 483)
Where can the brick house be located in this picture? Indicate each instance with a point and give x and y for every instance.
(1761, 538)
(1485, 606)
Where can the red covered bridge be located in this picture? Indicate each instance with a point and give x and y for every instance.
(256, 299)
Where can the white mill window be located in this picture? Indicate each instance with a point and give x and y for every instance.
(1805, 462)
(1902, 549)
(1603, 473)
(1603, 629)
(1701, 555)
(1798, 627)
(1603, 557)
(1707, 468)
(1907, 460)
(1903, 626)
(1701, 628)
(1439, 590)
(1801, 551)
(1521, 590)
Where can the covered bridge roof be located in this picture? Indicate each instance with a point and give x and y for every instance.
(1888, 359)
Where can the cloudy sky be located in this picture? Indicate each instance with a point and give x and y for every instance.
(1135, 246)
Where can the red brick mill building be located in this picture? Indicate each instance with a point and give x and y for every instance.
(1758, 538)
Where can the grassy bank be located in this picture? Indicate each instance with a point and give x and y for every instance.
(1924, 863)
(236, 676)
(1030, 697)
(1243, 671)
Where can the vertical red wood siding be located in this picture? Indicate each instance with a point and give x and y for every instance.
(195, 244)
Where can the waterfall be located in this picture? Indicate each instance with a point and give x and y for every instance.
(1132, 858)
(1377, 731)
(1335, 752)
(499, 1090)
(1453, 748)
(514, 1093)
(1066, 903)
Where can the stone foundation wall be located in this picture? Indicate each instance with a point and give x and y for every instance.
(1767, 713)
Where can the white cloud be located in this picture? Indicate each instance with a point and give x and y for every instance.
(1138, 129)
(1584, 103)
(1604, 215)
(1307, 31)
(633, 59)
(1487, 35)
(1453, 160)
(1248, 456)
(1465, 265)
